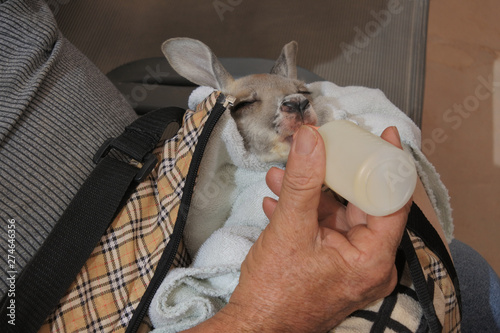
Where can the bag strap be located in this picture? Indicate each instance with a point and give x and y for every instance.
(45, 279)
(421, 226)
(418, 223)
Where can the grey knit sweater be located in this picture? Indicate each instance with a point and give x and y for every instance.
(56, 109)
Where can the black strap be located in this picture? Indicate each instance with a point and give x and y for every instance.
(56, 264)
(418, 223)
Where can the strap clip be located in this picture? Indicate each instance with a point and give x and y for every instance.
(103, 151)
(148, 163)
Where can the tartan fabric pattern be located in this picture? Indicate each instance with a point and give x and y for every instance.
(401, 311)
(445, 295)
(110, 285)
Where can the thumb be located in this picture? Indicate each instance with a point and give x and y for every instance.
(299, 197)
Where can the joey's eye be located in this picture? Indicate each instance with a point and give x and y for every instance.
(304, 92)
(242, 105)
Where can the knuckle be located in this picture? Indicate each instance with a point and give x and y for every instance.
(299, 178)
(299, 181)
(378, 274)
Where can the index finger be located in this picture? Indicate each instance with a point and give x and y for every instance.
(391, 227)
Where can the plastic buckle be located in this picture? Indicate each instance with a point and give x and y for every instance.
(148, 164)
(103, 151)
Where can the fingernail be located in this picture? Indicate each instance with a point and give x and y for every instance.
(305, 140)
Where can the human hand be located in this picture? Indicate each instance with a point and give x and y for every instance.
(331, 213)
(313, 266)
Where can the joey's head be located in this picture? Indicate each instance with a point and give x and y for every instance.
(269, 108)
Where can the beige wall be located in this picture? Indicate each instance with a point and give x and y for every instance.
(460, 116)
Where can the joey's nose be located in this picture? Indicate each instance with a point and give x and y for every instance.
(304, 104)
(295, 105)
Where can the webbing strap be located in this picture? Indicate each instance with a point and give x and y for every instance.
(418, 221)
(49, 274)
(419, 225)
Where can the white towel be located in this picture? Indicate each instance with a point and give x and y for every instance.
(219, 240)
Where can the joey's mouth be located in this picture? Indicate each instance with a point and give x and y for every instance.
(289, 139)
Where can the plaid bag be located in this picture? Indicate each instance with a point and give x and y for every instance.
(113, 289)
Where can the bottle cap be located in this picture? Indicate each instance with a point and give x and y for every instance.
(387, 184)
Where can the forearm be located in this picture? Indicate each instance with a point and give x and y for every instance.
(234, 318)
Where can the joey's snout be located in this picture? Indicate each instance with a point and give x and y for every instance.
(294, 111)
(295, 104)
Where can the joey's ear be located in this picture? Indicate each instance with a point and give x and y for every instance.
(286, 65)
(196, 62)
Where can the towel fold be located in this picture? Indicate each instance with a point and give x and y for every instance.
(220, 240)
(189, 296)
